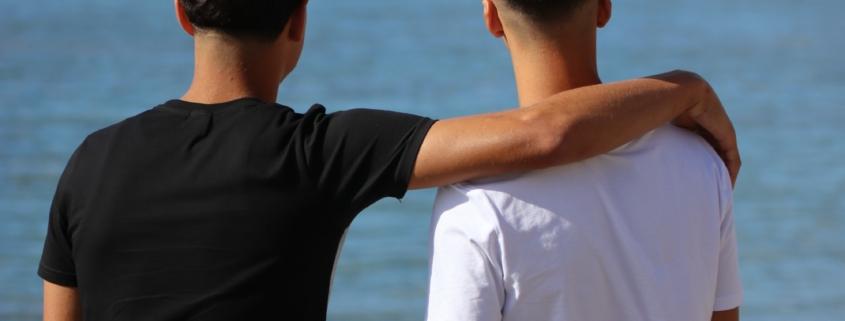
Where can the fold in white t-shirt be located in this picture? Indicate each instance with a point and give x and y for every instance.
(644, 232)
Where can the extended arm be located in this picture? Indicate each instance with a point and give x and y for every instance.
(61, 303)
(571, 126)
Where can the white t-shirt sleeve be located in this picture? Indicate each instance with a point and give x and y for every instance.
(466, 283)
(729, 287)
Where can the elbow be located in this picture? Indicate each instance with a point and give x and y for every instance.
(561, 149)
(551, 143)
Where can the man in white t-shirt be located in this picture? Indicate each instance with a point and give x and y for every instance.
(644, 232)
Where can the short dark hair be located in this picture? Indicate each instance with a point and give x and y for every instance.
(545, 10)
(264, 19)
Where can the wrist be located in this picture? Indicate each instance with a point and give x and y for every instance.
(690, 90)
(698, 92)
(703, 94)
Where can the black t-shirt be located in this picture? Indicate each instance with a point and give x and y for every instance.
(231, 211)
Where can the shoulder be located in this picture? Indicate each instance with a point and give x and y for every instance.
(90, 154)
(362, 123)
(107, 134)
(670, 149)
(693, 158)
(684, 144)
(369, 120)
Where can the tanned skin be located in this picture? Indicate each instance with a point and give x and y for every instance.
(564, 128)
(61, 303)
(730, 315)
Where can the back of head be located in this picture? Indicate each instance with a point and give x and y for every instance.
(544, 11)
(263, 19)
(547, 19)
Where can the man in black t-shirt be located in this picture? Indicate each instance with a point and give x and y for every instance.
(224, 205)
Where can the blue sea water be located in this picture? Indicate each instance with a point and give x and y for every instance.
(70, 67)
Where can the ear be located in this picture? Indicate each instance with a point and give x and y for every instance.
(182, 17)
(296, 23)
(491, 19)
(605, 12)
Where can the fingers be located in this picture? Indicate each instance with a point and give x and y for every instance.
(734, 164)
(729, 149)
(722, 137)
(731, 156)
(722, 133)
(728, 152)
(725, 142)
(708, 118)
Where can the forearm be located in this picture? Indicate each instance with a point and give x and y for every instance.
(568, 127)
(594, 120)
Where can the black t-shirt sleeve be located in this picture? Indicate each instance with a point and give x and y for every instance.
(57, 264)
(365, 155)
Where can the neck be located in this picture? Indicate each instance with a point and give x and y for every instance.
(227, 70)
(545, 69)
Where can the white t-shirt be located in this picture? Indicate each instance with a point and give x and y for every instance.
(642, 233)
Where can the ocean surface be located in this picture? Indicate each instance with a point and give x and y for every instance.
(70, 67)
